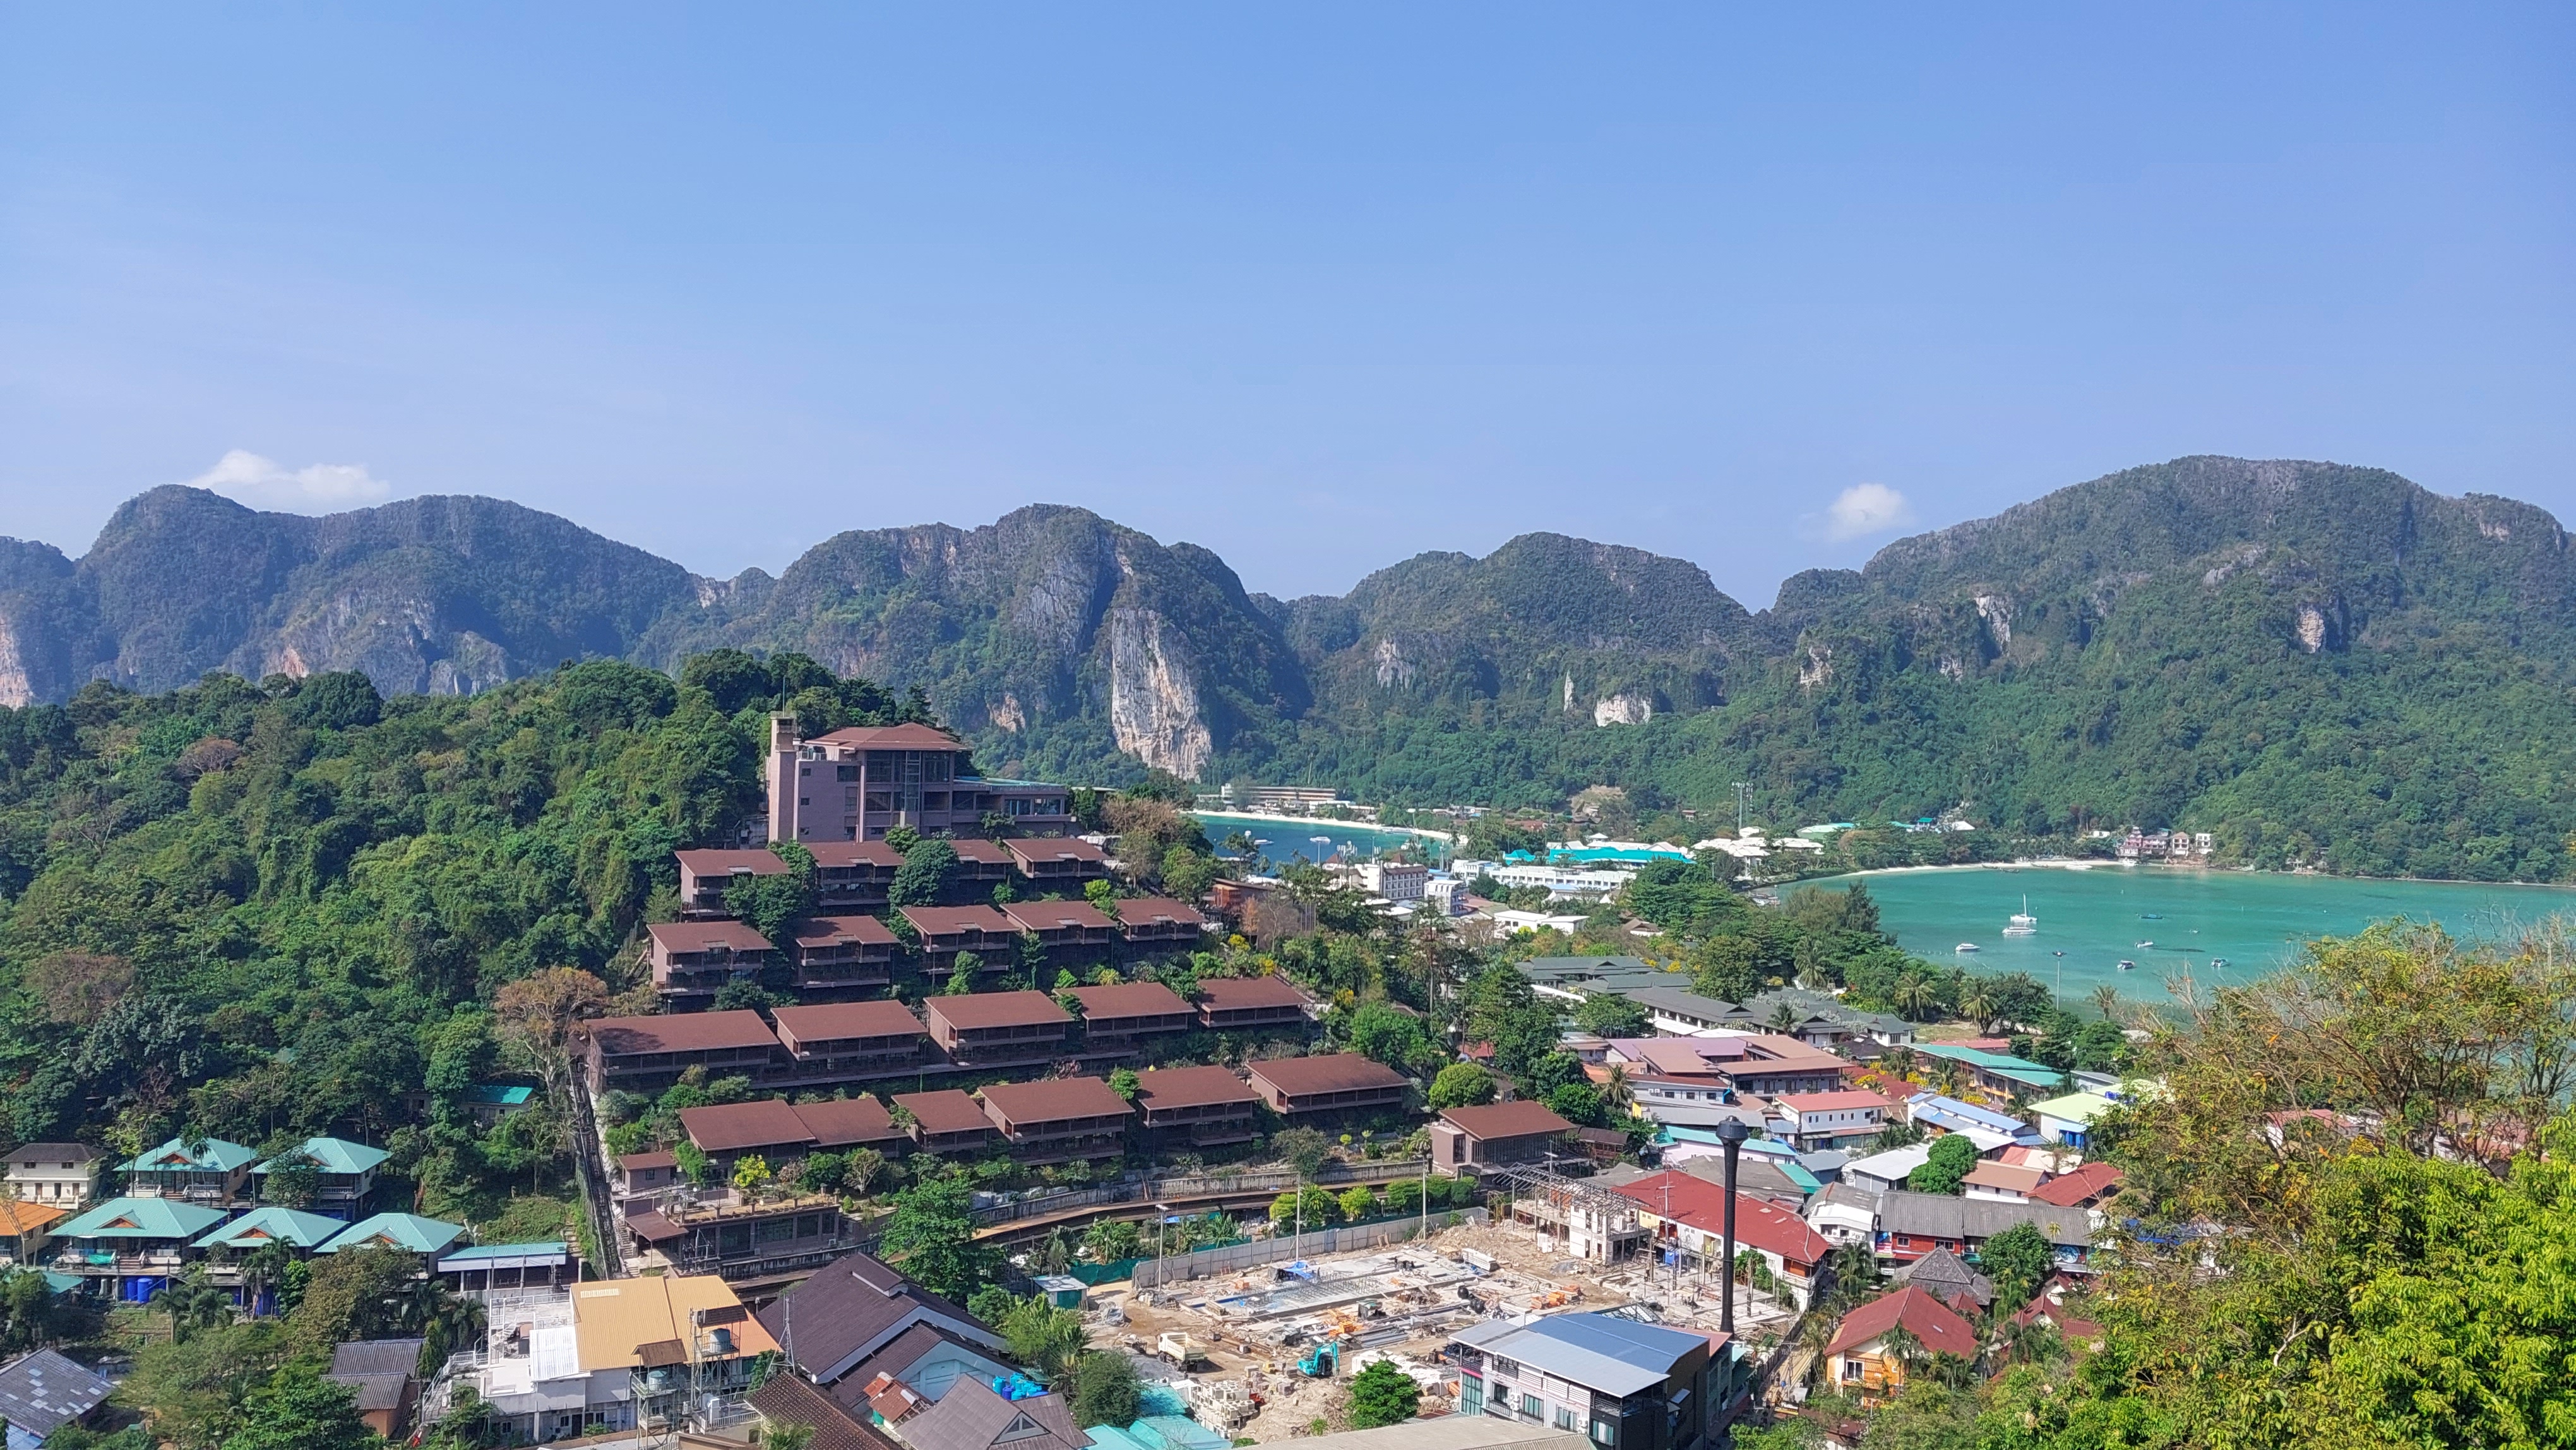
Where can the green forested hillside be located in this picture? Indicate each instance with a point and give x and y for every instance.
(2316, 663)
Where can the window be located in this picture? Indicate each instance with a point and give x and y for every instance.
(1530, 1406)
(1508, 1369)
(849, 772)
(1851, 1370)
(1604, 1432)
(1471, 1395)
(1564, 1418)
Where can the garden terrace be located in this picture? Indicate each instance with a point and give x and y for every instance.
(1060, 1119)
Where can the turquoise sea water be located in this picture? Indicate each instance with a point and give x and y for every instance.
(1288, 839)
(2090, 920)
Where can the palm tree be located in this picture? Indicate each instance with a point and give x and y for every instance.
(1951, 1076)
(193, 1305)
(1900, 1344)
(1782, 1018)
(1977, 1002)
(1915, 996)
(1854, 1269)
(2030, 1342)
(1815, 1331)
(2106, 1000)
(1616, 1095)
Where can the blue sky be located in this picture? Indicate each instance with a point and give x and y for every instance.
(1317, 287)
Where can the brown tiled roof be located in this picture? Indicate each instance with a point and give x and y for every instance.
(980, 851)
(941, 920)
(1520, 1119)
(1236, 994)
(1131, 999)
(944, 1110)
(698, 936)
(1339, 1073)
(827, 1021)
(996, 1009)
(1153, 910)
(652, 1226)
(1938, 1327)
(679, 1032)
(2081, 1186)
(730, 1127)
(841, 1122)
(890, 737)
(823, 931)
(1053, 848)
(788, 1399)
(1191, 1087)
(1061, 1097)
(20, 1216)
(725, 863)
(854, 853)
(1054, 915)
(637, 1162)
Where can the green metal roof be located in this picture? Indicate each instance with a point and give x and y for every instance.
(498, 1095)
(332, 1155)
(2075, 1107)
(212, 1156)
(142, 1218)
(272, 1225)
(398, 1230)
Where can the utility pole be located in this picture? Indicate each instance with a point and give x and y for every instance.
(1740, 788)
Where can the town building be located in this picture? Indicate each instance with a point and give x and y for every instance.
(641, 1175)
(1059, 1120)
(42, 1392)
(130, 1248)
(2002, 1182)
(945, 931)
(694, 960)
(381, 1376)
(477, 1270)
(408, 1232)
(1686, 1214)
(1447, 896)
(2082, 1187)
(1947, 1277)
(1999, 1073)
(1394, 880)
(1496, 1135)
(742, 1238)
(24, 1227)
(2069, 1118)
(209, 1171)
(1759, 1064)
(852, 1041)
(1903, 1225)
(1621, 1384)
(1991, 1131)
(1832, 1120)
(1879, 1172)
(1692, 1102)
(1250, 1004)
(62, 1174)
(705, 875)
(257, 1229)
(986, 1030)
(1685, 1014)
(947, 1122)
(1822, 1020)
(859, 783)
(1309, 1088)
(1120, 1020)
(778, 1131)
(1057, 862)
(562, 1362)
(855, 1310)
(1860, 1360)
(1160, 924)
(648, 1054)
(1072, 933)
(1196, 1108)
(344, 1173)
(841, 956)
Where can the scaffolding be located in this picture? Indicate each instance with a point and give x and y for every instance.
(1595, 1224)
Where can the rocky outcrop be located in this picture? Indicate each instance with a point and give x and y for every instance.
(1153, 694)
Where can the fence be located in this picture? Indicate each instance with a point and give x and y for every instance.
(1233, 1258)
(1190, 1187)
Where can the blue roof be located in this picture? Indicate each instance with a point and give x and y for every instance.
(214, 1155)
(272, 1225)
(397, 1230)
(331, 1155)
(497, 1095)
(142, 1218)
(1649, 1347)
(551, 1247)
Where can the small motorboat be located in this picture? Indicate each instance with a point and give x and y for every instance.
(2023, 923)
(2218, 964)
(2128, 966)
(2057, 954)
(1965, 946)
(2151, 916)
(2143, 946)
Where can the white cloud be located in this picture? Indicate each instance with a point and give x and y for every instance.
(1866, 508)
(245, 477)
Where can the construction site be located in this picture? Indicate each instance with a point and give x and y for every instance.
(1263, 1351)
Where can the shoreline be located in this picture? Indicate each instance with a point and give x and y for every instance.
(1327, 823)
(2162, 866)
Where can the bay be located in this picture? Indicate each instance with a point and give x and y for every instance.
(1285, 840)
(2168, 920)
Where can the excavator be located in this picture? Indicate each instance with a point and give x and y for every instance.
(1343, 1333)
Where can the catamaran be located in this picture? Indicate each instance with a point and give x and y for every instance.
(2023, 923)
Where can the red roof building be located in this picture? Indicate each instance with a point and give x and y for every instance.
(1073, 932)
(1689, 1213)
(2083, 1188)
(1495, 1135)
(853, 875)
(857, 784)
(648, 1054)
(841, 955)
(704, 875)
(1322, 1087)
(1160, 923)
(1000, 1029)
(1196, 1107)
(1060, 1119)
(946, 1121)
(1858, 1358)
(1119, 1020)
(693, 960)
(1050, 861)
(1240, 1004)
(853, 1041)
(946, 931)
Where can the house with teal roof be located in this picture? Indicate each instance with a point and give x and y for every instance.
(207, 1171)
(346, 1173)
(132, 1245)
(261, 1227)
(1997, 1072)
(396, 1231)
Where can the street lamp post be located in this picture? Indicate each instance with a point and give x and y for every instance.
(1731, 1134)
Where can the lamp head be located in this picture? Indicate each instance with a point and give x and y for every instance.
(1732, 1131)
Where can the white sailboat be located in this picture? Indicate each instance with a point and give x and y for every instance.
(2023, 923)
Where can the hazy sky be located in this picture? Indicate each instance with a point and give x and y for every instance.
(1316, 287)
